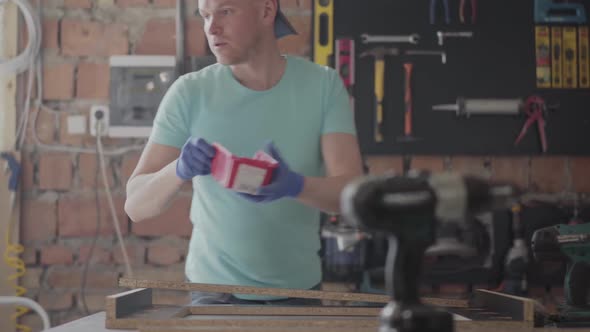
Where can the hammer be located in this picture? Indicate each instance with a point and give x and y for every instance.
(379, 53)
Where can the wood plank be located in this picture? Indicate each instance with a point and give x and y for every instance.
(264, 321)
(518, 308)
(125, 303)
(298, 293)
(155, 313)
(8, 49)
(284, 311)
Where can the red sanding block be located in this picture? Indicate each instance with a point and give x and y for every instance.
(240, 173)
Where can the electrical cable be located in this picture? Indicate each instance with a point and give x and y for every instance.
(117, 226)
(95, 238)
(13, 251)
(26, 302)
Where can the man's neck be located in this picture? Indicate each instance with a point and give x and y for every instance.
(263, 71)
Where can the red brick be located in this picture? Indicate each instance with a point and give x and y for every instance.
(299, 44)
(514, 170)
(548, 174)
(428, 163)
(87, 168)
(27, 179)
(173, 221)
(84, 38)
(29, 256)
(44, 126)
(93, 81)
(56, 254)
(385, 165)
(32, 278)
(477, 166)
(51, 300)
(162, 254)
(100, 255)
(38, 219)
(77, 216)
(128, 166)
(50, 33)
(60, 278)
(196, 42)
(165, 3)
(157, 38)
(64, 136)
(94, 301)
(168, 273)
(132, 3)
(135, 253)
(78, 4)
(580, 170)
(55, 171)
(58, 81)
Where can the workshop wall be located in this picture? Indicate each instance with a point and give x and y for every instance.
(59, 214)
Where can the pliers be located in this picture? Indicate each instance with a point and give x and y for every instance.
(462, 6)
(433, 4)
(534, 109)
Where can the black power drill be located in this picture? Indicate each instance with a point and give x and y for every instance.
(408, 209)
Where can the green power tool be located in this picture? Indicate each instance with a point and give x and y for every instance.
(569, 243)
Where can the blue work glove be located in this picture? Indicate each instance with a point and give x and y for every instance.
(284, 181)
(195, 158)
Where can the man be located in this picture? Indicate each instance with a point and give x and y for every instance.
(252, 96)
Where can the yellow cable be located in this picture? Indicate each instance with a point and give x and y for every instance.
(12, 259)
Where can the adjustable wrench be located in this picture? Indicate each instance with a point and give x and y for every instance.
(412, 39)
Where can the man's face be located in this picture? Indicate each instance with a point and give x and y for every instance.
(232, 28)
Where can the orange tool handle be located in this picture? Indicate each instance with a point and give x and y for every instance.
(408, 99)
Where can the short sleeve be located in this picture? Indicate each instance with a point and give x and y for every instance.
(338, 116)
(171, 124)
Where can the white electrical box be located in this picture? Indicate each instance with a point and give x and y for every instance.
(137, 85)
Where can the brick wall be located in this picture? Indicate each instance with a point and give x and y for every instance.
(59, 216)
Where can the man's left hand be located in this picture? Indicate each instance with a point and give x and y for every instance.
(284, 181)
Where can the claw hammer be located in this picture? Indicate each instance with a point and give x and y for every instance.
(379, 53)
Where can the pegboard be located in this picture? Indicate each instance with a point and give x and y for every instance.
(497, 62)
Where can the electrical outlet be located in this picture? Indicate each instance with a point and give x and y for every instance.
(99, 113)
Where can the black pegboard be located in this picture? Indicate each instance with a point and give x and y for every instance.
(498, 62)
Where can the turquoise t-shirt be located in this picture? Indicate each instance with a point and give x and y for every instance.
(235, 241)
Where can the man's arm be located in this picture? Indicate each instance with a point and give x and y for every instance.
(153, 183)
(343, 163)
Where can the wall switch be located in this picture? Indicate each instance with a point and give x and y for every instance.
(76, 124)
(99, 113)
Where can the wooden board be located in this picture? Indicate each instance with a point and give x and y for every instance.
(299, 293)
(8, 49)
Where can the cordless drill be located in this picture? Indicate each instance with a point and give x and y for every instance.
(569, 243)
(408, 209)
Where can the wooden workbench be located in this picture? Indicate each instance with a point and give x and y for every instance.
(95, 323)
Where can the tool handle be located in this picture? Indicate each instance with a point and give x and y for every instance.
(379, 94)
(408, 66)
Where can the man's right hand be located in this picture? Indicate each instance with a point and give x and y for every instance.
(195, 158)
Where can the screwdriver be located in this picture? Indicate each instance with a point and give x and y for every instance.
(466, 107)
